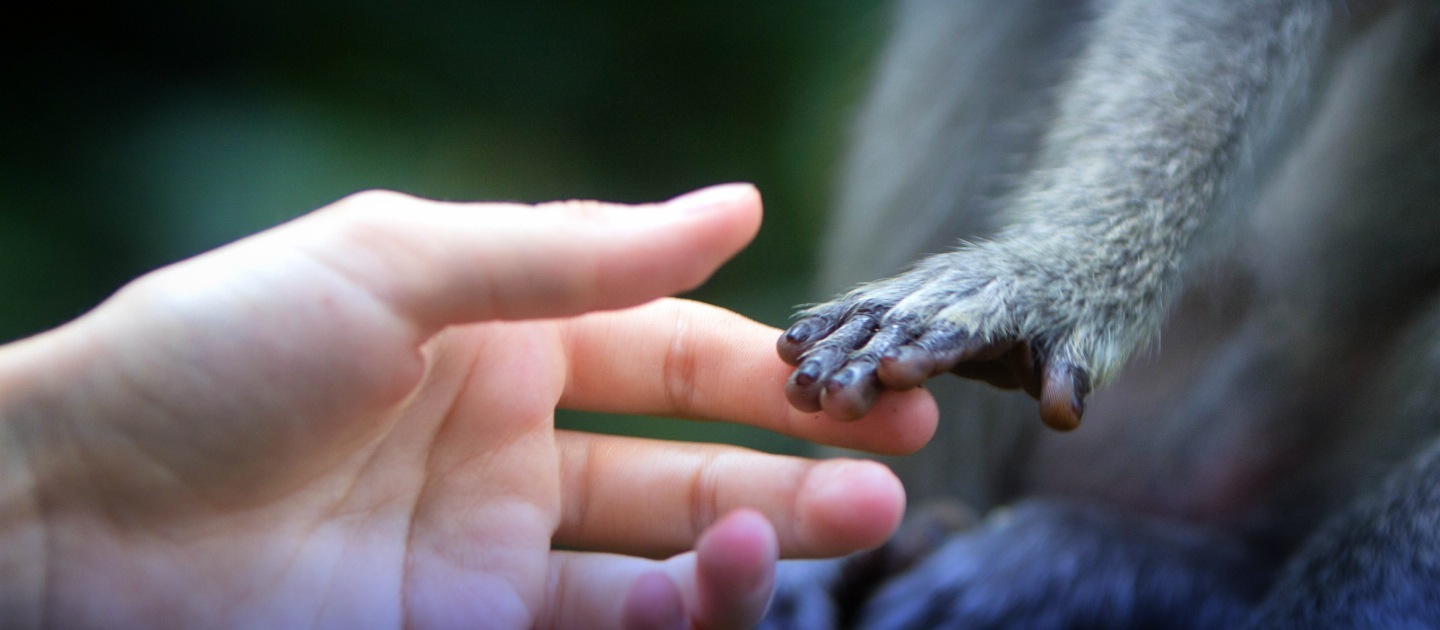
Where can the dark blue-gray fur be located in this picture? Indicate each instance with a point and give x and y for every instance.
(1260, 179)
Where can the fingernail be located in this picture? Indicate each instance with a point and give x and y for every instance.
(801, 331)
(712, 197)
(808, 373)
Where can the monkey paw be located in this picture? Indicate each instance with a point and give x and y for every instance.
(896, 333)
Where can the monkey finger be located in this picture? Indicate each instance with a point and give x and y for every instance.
(892, 335)
(803, 388)
(849, 337)
(936, 351)
(822, 323)
(653, 498)
(802, 335)
(1062, 397)
(825, 358)
(906, 367)
(850, 392)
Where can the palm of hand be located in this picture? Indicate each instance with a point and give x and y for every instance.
(366, 484)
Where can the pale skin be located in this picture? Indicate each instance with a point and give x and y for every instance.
(348, 421)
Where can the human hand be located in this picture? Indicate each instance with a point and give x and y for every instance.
(348, 421)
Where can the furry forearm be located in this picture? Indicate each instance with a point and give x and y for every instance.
(1154, 150)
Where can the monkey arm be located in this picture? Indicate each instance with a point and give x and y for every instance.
(1158, 139)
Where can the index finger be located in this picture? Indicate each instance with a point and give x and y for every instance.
(685, 359)
(439, 263)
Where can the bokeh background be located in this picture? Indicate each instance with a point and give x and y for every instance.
(140, 133)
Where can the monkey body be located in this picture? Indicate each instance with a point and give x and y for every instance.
(1239, 203)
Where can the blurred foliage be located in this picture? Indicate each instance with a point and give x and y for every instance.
(144, 132)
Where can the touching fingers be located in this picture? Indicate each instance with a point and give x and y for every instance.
(684, 359)
(444, 263)
(653, 498)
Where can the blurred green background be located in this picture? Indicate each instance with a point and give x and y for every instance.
(140, 133)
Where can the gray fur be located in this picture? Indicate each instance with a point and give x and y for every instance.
(1245, 192)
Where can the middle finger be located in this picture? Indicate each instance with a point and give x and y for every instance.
(653, 498)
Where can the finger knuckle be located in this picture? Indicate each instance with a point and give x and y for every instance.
(679, 369)
(704, 495)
